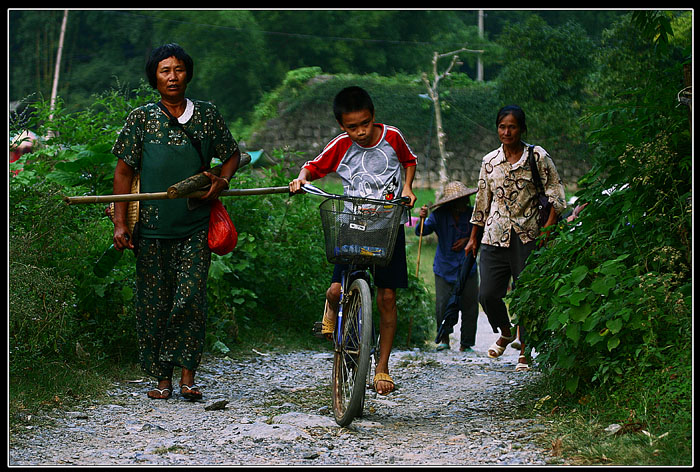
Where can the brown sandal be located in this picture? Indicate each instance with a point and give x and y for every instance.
(328, 323)
(383, 377)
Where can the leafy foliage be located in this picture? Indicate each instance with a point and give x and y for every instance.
(545, 71)
(242, 54)
(611, 294)
(276, 277)
(53, 247)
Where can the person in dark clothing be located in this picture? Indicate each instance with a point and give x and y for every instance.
(450, 221)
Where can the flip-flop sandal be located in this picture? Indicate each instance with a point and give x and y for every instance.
(160, 392)
(499, 350)
(382, 377)
(192, 394)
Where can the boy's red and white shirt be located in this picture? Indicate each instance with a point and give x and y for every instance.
(367, 172)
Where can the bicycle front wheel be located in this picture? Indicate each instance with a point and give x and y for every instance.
(352, 354)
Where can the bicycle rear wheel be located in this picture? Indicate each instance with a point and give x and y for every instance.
(352, 354)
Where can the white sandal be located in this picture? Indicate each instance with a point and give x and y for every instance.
(495, 347)
(161, 392)
(522, 366)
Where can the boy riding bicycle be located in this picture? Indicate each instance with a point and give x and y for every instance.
(368, 157)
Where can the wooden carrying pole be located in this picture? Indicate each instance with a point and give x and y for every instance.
(191, 187)
(132, 197)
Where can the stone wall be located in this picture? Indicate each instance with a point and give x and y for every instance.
(310, 131)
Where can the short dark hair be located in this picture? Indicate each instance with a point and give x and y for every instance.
(351, 99)
(164, 52)
(517, 113)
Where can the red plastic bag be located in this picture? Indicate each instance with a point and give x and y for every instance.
(222, 234)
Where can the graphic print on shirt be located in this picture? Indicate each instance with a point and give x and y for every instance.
(390, 189)
(373, 172)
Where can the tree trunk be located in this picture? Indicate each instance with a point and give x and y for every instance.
(435, 97)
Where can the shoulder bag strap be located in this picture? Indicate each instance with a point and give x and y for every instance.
(195, 142)
(535, 171)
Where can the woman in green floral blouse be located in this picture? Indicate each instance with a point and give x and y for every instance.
(172, 250)
(505, 219)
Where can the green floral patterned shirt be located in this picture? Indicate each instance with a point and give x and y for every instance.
(149, 124)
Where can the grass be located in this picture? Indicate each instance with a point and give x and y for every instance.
(644, 419)
(63, 385)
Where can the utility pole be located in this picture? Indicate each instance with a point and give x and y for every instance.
(479, 65)
(57, 69)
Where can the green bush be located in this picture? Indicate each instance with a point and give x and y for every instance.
(272, 283)
(64, 242)
(612, 294)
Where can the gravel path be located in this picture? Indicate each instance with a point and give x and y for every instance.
(450, 408)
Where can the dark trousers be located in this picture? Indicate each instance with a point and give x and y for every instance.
(496, 266)
(468, 307)
(171, 302)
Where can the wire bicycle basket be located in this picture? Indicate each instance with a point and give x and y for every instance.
(360, 231)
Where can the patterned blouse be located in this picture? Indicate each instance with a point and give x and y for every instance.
(148, 122)
(506, 196)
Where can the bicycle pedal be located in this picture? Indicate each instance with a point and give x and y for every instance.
(317, 330)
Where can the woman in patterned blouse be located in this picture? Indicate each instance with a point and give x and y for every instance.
(165, 143)
(505, 219)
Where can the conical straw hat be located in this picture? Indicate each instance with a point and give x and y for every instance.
(452, 191)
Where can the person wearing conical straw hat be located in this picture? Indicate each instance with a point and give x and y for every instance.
(450, 221)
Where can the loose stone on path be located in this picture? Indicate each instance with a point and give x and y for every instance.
(450, 408)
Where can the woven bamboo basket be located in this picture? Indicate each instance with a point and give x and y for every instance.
(132, 209)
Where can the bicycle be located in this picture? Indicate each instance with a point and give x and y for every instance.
(361, 233)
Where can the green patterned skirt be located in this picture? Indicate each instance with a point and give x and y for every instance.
(171, 302)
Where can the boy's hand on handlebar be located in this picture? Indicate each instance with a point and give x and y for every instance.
(296, 184)
(411, 199)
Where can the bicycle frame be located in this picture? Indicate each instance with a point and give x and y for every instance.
(347, 276)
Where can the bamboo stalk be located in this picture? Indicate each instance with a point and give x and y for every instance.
(199, 181)
(132, 197)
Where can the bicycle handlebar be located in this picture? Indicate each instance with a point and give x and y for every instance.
(313, 190)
